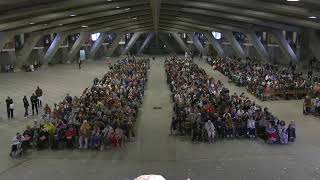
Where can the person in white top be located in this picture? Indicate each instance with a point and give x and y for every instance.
(251, 125)
(210, 130)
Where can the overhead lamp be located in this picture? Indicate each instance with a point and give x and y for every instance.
(72, 15)
(31, 23)
(118, 7)
(109, 0)
(312, 17)
(60, 24)
(84, 26)
(293, 0)
(46, 24)
(128, 9)
(134, 18)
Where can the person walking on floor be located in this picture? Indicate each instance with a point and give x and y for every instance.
(39, 95)
(9, 103)
(26, 106)
(34, 103)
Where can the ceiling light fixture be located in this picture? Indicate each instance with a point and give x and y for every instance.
(72, 15)
(60, 24)
(312, 17)
(135, 18)
(128, 9)
(32, 23)
(293, 0)
(84, 26)
(117, 7)
(109, 0)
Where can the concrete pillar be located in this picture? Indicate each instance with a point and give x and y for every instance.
(77, 45)
(285, 46)
(146, 42)
(180, 42)
(25, 52)
(133, 40)
(215, 44)
(95, 47)
(314, 43)
(115, 44)
(253, 38)
(55, 45)
(4, 37)
(235, 44)
(197, 43)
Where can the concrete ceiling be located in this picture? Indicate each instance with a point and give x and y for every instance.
(49, 16)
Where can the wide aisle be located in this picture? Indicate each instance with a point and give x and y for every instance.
(153, 140)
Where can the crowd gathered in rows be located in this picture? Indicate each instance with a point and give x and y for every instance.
(207, 110)
(103, 116)
(264, 79)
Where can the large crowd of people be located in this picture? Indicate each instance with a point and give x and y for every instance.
(207, 110)
(265, 80)
(104, 115)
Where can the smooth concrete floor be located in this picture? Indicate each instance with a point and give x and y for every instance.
(155, 151)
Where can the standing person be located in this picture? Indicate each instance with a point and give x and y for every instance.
(210, 130)
(79, 63)
(39, 95)
(9, 103)
(34, 103)
(26, 106)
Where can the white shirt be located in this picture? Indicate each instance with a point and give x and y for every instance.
(209, 126)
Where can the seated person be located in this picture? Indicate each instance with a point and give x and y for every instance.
(16, 145)
(43, 138)
(70, 135)
(271, 133)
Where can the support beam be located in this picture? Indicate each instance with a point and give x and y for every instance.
(55, 45)
(95, 47)
(146, 42)
(215, 44)
(77, 45)
(285, 46)
(25, 52)
(155, 6)
(115, 44)
(180, 42)
(133, 40)
(4, 37)
(197, 43)
(235, 44)
(253, 38)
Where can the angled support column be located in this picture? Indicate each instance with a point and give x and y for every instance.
(285, 46)
(235, 44)
(146, 42)
(197, 43)
(115, 44)
(55, 45)
(215, 44)
(25, 52)
(4, 37)
(95, 47)
(133, 40)
(253, 38)
(77, 45)
(314, 43)
(180, 42)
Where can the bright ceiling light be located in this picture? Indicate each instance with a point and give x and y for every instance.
(32, 23)
(117, 7)
(135, 18)
(73, 15)
(84, 26)
(128, 9)
(109, 0)
(293, 0)
(312, 17)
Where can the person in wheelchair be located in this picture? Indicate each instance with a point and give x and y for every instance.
(16, 145)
